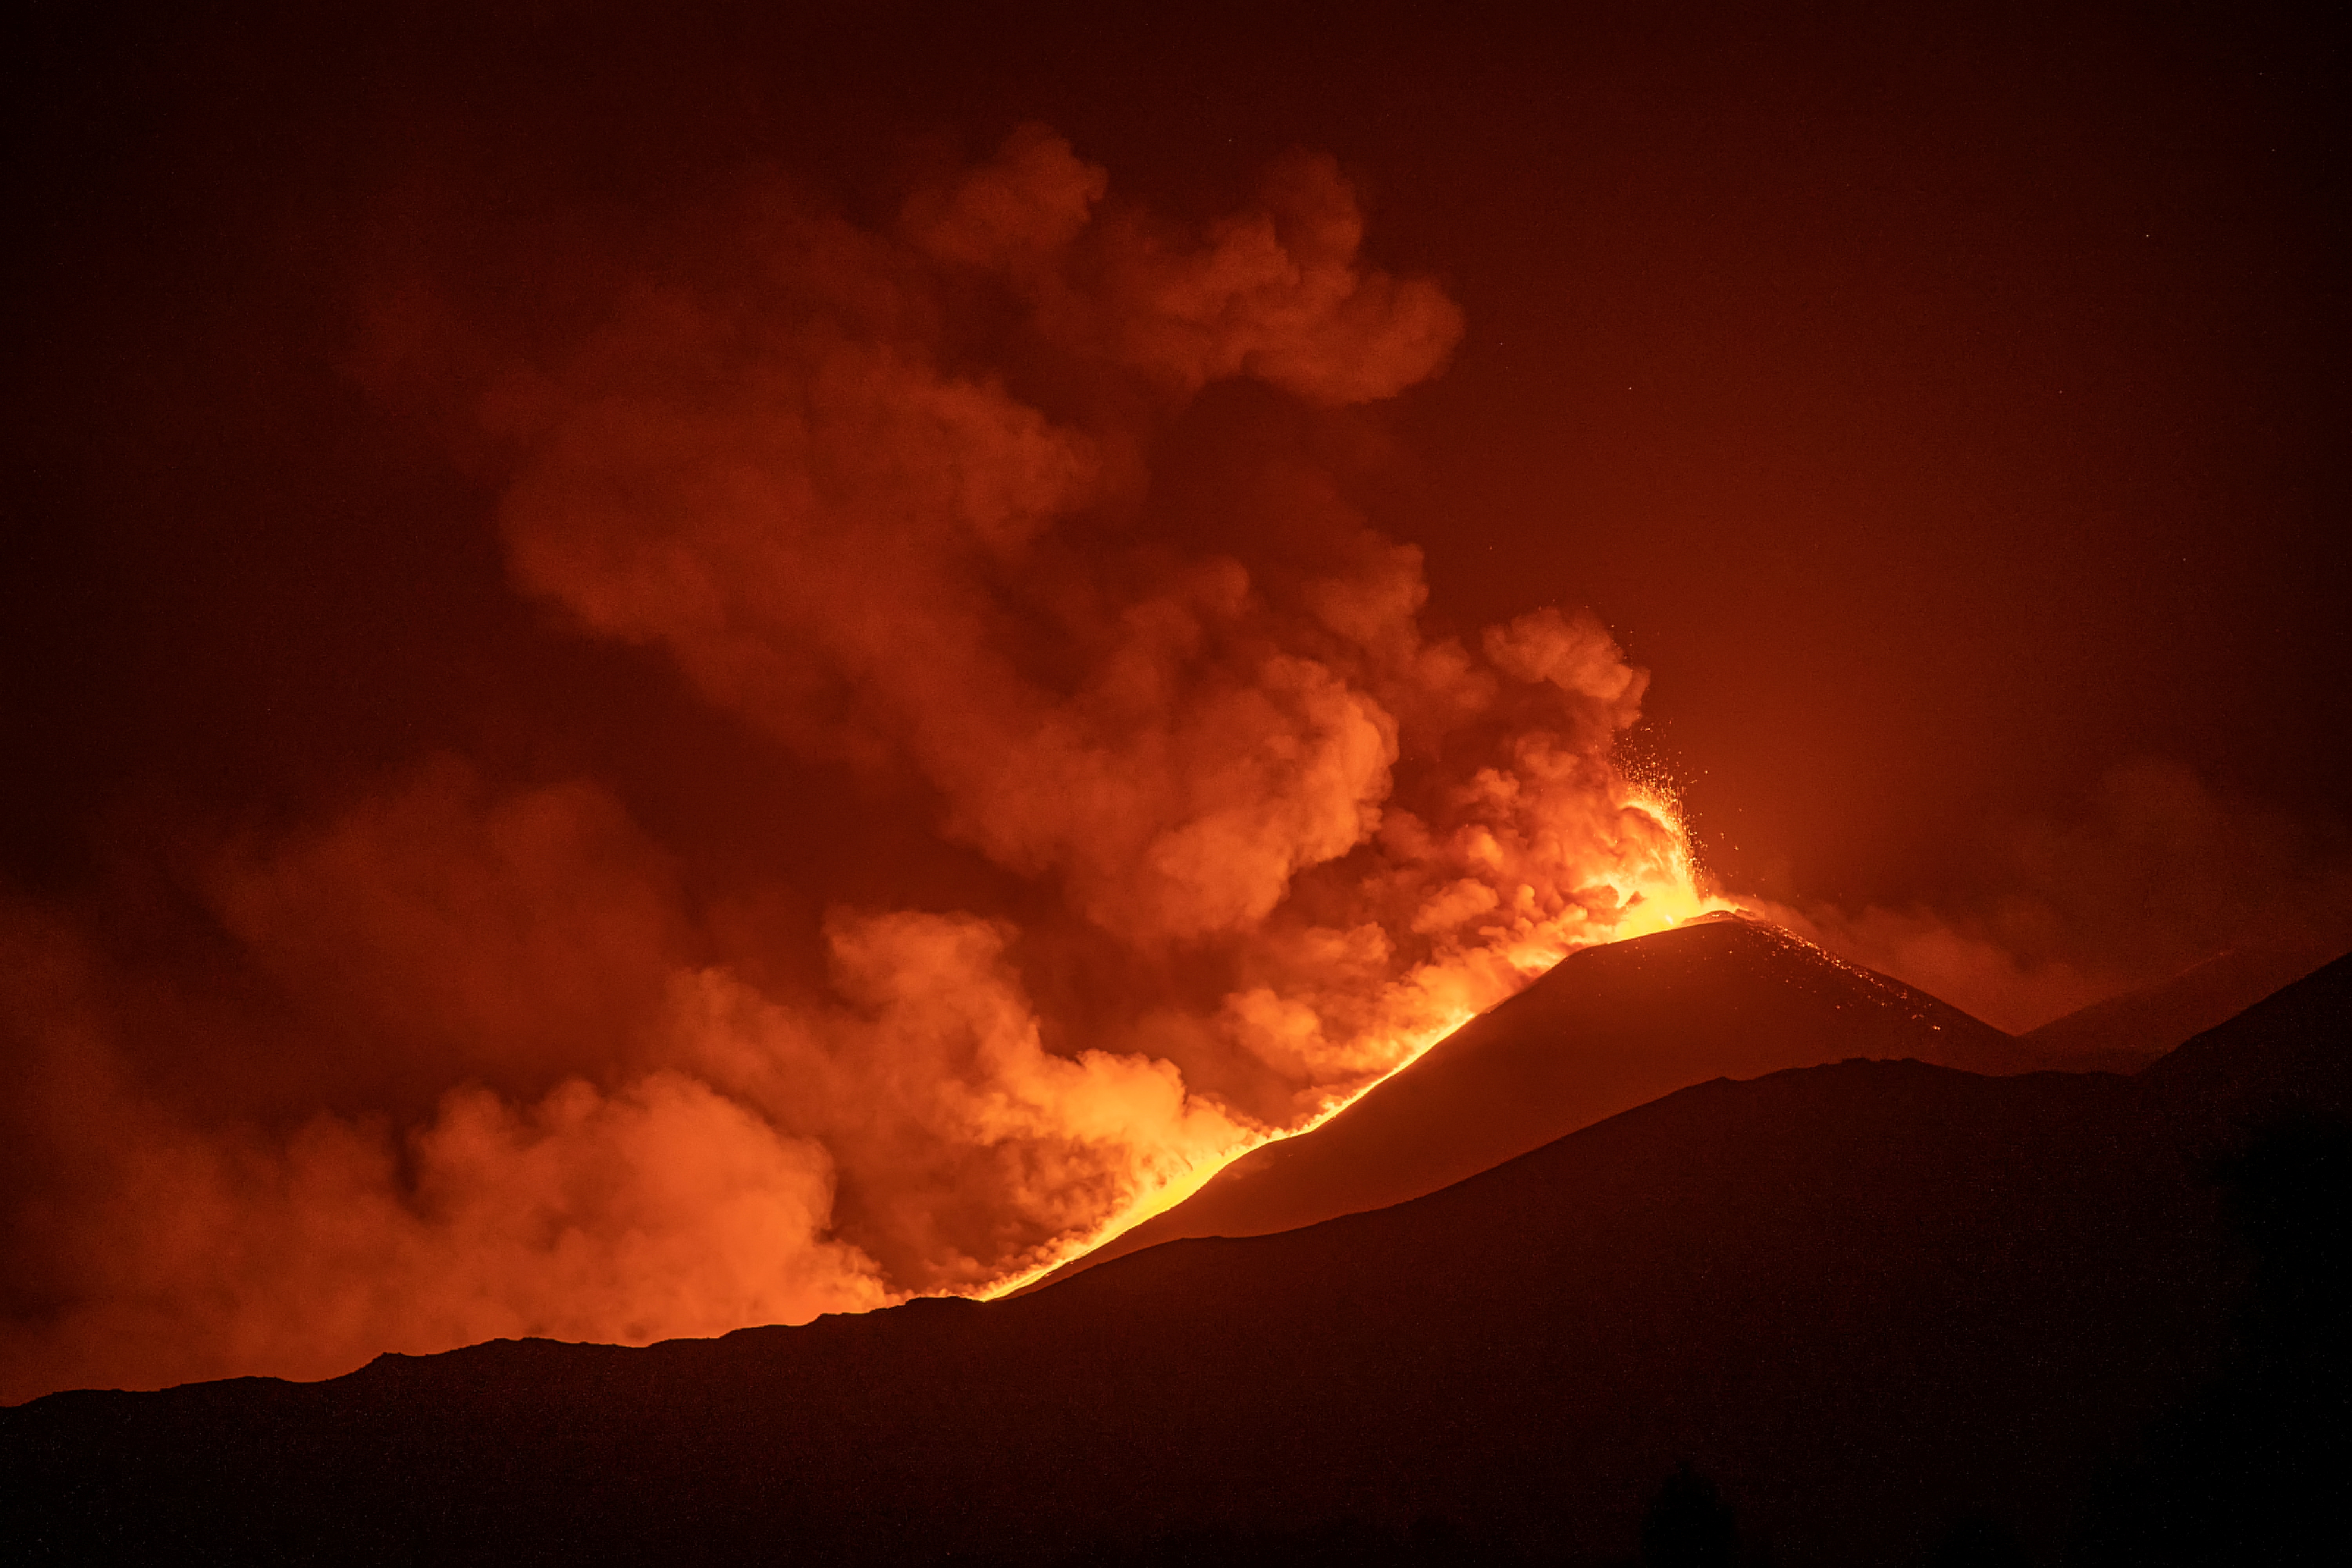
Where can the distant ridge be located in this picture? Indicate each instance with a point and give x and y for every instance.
(2284, 1061)
(2124, 1033)
(1608, 1028)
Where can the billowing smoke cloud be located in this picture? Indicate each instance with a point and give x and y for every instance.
(152, 1250)
(841, 535)
(884, 497)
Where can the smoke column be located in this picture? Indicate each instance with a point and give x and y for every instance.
(1250, 833)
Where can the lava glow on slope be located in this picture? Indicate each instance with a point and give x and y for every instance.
(1659, 891)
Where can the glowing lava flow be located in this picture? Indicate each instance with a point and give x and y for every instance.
(1655, 897)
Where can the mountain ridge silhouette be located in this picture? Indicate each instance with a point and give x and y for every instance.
(1867, 1298)
(1607, 1028)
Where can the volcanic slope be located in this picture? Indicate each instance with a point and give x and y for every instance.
(1871, 1299)
(1608, 1028)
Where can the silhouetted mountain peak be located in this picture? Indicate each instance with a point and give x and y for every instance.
(1607, 1028)
(2125, 1033)
(1989, 1286)
(2288, 1058)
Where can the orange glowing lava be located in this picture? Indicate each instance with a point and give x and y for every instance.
(1655, 889)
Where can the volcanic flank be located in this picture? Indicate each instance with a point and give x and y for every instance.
(1989, 1285)
(1606, 1029)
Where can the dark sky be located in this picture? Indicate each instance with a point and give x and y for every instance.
(1946, 412)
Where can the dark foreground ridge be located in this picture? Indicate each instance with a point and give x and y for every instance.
(1884, 1312)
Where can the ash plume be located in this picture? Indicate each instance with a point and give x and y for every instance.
(885, 496)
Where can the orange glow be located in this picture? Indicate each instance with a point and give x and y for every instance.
(1656, 889)
(675, 675)
(1307, 833)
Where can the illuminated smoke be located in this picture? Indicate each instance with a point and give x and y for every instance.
(883, 496)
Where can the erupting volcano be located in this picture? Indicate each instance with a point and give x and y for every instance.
(896, 746)
(1264, 834)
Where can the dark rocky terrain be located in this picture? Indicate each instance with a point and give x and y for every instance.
(1894, 1311)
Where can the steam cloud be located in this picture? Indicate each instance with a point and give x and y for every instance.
(884, 497)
